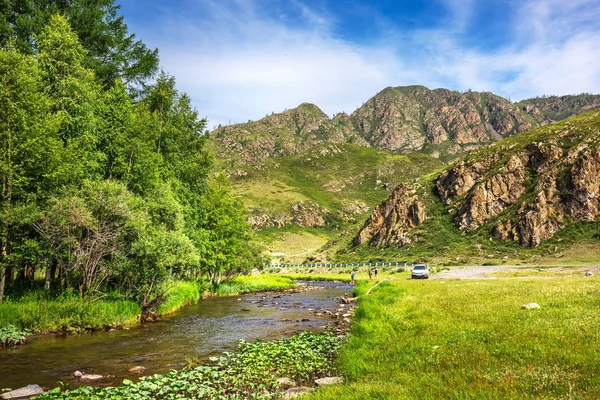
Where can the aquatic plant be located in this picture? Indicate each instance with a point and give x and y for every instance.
(250, 373)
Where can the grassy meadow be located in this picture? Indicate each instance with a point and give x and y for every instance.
(470, 339)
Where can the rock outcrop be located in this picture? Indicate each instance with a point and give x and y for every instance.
(392, 220)
(531, 189)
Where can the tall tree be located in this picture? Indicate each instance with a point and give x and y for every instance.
(112, 52)
(28, 144)
(75, 97)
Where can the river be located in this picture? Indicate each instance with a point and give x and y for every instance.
(208, 328)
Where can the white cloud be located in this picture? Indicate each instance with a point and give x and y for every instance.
(237, 64)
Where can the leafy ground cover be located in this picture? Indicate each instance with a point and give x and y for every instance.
(11, 336)
(460, 339)
(250, 373)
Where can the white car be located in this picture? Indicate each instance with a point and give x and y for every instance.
(420, 271)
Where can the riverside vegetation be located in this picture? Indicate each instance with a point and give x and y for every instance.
(110, 208)
(250, 373)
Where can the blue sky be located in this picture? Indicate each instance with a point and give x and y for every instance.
(243, 59)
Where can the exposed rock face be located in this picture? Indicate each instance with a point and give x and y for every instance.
(493, 195)
(535, 188)
(393, 219)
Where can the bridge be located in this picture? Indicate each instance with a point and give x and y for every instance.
(379, 264)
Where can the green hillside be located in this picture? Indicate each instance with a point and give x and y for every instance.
(338, 183)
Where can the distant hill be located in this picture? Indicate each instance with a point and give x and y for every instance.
(440, 122)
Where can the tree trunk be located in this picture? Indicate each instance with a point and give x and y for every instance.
(9, 272)
(2, 283)
(30, 273)
(50, 271)
(2, 271)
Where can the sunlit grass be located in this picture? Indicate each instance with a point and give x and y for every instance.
(471, 340)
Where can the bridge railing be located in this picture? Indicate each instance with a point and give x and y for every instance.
(379, 264)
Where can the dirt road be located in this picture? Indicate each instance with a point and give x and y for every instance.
(487, 271)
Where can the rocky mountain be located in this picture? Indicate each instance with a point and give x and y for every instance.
(404, 120)
(525, 189)
(392, 220)
(280, 135)
(549, 109)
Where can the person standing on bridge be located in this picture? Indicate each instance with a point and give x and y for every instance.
(376, 272)
(370, 274)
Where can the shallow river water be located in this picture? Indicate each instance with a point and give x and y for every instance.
(206, 329)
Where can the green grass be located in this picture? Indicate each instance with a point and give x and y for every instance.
(471, 340)
(39, 313)
(181, 294)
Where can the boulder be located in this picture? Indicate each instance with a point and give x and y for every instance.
(90, 377)
(588, 274)
(23, 393)
(297, 391)
(285, 383)
(530, 306)
(138, 369)
(331, 380)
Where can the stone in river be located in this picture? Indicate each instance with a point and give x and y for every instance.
(23, 393)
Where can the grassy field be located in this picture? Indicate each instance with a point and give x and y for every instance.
(470, 339)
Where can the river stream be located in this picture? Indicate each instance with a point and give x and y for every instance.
(208, 328)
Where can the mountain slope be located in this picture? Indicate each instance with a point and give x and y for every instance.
(536, 189)
(404, 120)
(310, 196)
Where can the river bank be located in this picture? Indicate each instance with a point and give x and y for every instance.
(199, 331)
(40, 313)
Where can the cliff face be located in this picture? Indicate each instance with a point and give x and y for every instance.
(406, 119)
(532, 186)
(392, 220)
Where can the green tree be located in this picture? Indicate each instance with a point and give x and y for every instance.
(112, 52)
(29, 146)
(88, 231)
(75, 97)
(223, 238)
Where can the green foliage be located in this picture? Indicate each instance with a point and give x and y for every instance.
(224, 238)
(104, 192)
(11, 336)
(111, 51)
(250, 373)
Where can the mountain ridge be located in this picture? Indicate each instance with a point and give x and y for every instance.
(405, 119)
